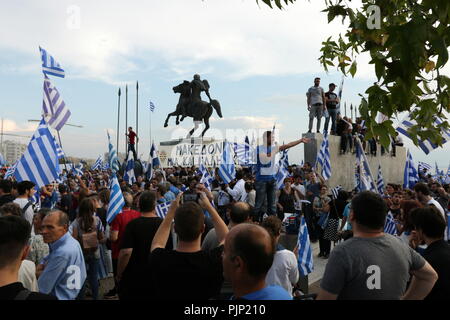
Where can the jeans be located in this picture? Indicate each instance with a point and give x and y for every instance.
(263, 189)
(332, 114)
(132, 149)
(315, 112)
(92, 267)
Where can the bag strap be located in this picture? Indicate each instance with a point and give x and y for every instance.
(24, 209)
(23, 294)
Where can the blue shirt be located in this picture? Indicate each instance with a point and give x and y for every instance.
(49, 202)
(175, 190)
(274, 292)
(265, 171)
(65, 270)
(348, 225)
(169, 196)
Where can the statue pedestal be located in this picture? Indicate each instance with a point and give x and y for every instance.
(190, 152)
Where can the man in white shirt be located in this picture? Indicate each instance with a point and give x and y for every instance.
(423, 195)
(238, 192)
(26, 191)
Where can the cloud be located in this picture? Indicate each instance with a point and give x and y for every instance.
(11, 126)
(180, 36)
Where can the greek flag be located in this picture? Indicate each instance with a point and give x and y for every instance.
(282, 170)
(427, 146)
(54, 109)
(206, 177)
(154, 156)
(59, 150)
(390, 225)
(335, 191)
(338, 107)
(324, 158)
(98, 164)
(243, 153)
(129, 176)
(162, 209)
(152, 106)
(116, 200)
(364, 178)
(410, 175)
(112, 156)
(78, 170)
(380, 181)
(10, 172)
(39, 163)
(424, 166)
(50, 66)
(2, 160)
(227, 170)
(105, 166)
(305, 258)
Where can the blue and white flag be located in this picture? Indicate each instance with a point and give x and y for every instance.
(50, 66)
(105, 166)
(244, 153)
(129, 176)
(335, 191)
(112, 156)
(206, 179)
(363, 174)
(390, 225)
(78, 169)
(447, 176)
(116, 200)
(162, 209)
(380, 181)
(154, 156)
(427, 146)
(54, 109)
(305, 252)
(59, 150)
(324, 158)
(152, 106)
(410, 175)
(282, 169)
(424, 166)
(39, 162)
(2, 160)
(227, 170)
(98, 164)
(10, 172)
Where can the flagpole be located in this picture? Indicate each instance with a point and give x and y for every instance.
(150, 129)
(345, 107)
(126, 120)
(64, 157)
(118, 121)
(137, 117)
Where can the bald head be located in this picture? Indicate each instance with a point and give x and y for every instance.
(254, 246)
(240, 212)
(54, 226)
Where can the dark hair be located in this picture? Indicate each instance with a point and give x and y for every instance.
(11, 208)
(239, 175)
(398, 193)
(248, 186)
(6, 186)
(86, 214)
(161, 188)
(316, 78)
(254, 251)
(189, 221)
(423, 188)
(15, 233)
(407, 206)
(104, 196)
(23, 186)
(62, 188)
(369, 210)
(273, 225)
(147, 201)
(240, 212)
(430, 221)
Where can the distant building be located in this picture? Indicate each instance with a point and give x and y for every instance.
(12, 150)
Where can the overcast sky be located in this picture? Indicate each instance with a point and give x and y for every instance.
(259, 63)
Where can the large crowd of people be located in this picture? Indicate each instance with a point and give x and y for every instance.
(228, 241)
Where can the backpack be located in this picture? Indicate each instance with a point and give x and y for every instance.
(89, 239)
(24, 209)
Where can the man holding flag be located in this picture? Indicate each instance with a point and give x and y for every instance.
(265, 183)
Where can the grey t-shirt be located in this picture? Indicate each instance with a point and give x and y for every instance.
(370, 268)
(210, 242)
(315, 94)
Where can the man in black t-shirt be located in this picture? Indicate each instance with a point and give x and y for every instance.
(5, 192)
(133, 269)
(15, 234)
(187, 271)
(331, 100)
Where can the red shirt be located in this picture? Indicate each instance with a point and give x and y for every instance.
(119, 223)
(131, 136)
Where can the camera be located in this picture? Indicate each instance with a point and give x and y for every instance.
(190, 197)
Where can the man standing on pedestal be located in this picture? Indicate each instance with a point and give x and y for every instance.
(265, 183)
(131, 142)
(316, 106)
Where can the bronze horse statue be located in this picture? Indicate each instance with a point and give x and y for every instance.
(193, 107)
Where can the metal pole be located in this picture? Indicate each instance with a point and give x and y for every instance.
(137, 117)
(351, 109)
(150, 131)
(345, 108)
(126, 121)
(1, 139)
(118, 121)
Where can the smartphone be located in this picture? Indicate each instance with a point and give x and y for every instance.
(190, 197)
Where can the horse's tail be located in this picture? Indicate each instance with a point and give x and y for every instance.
(216, 105)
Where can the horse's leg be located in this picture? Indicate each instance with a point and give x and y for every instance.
(193, 130)
(168, 116)
(206, 120)
(177, 121)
